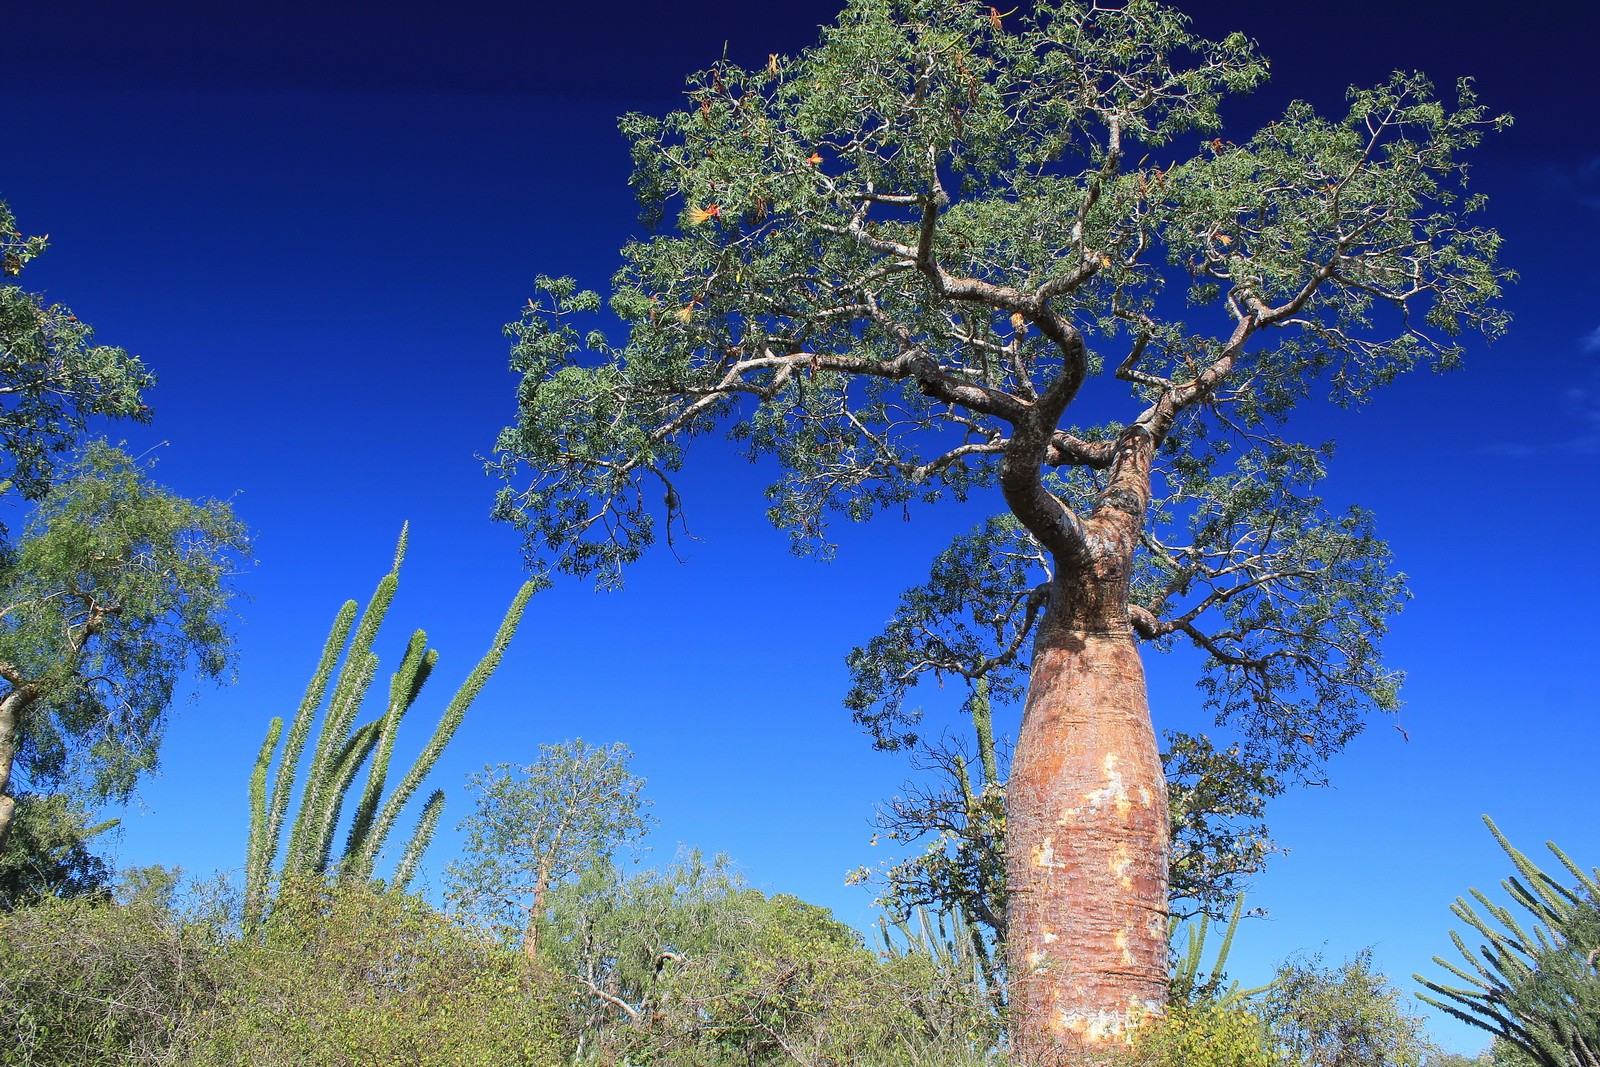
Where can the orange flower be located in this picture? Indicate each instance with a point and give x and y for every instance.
(697, 215)
(814, 159)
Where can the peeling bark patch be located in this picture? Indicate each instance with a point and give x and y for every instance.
(1114, 793)
(1124, 500)
(1095, 1028)
(1122, 866)
(1101, 1027)
(1122, 946)
(1115, 790)
(1044, 855)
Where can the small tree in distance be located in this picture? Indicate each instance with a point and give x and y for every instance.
(949, 250)
(1345, 1016)
(539, 825)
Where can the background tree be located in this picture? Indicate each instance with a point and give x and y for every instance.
(53, 379)
(689, 965)
(342, 749)
(1345, 1016)
(898, 261)
(960, 822)
(117, 588)
(48, 852)
(540, 825)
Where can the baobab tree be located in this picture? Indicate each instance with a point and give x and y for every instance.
(950, 251)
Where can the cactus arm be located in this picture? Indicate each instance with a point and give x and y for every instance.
(308, 848)
(258, 851)
(351, 755)
(418, 844)
(451, 719)
(349, 692)
(299, 732)
(983, 723)
(358, 859)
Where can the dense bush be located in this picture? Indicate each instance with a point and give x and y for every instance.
(361, 976)
(690, 966)
(368, 976)
(86, 983)
(1204, 1033)
(686, 966)
(681, 967)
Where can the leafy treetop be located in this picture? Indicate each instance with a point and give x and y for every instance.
(896, 262)
(119, 588)
(53, 378)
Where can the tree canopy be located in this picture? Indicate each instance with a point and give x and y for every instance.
(895, 261)
(53, 378)
(543, 824)
(949, 250)
(118, 587)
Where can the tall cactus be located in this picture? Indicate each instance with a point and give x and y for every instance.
(341, 750)
(1538, 989)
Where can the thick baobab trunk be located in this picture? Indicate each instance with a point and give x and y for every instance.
(1086, 836)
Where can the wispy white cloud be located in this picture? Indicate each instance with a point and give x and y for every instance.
(1580, 419)
(1576, 183)
(1590, 342)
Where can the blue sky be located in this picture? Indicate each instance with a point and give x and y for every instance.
(312, 224)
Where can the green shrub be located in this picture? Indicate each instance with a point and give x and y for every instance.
(365, 976)
(349, 978)
(689, 966)
(86, 983)
(1204, 1033)
(1345, 1016)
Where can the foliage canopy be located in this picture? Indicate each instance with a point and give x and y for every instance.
(53, 378)
(118, 587)
(896, 262)
(538, 826)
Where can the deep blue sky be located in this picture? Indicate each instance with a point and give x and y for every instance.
(312, 222)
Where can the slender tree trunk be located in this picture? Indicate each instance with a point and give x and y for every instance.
(9, 708)
(530, 932)
(1086, 832)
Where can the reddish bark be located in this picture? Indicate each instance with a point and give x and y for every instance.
(1087, 834)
